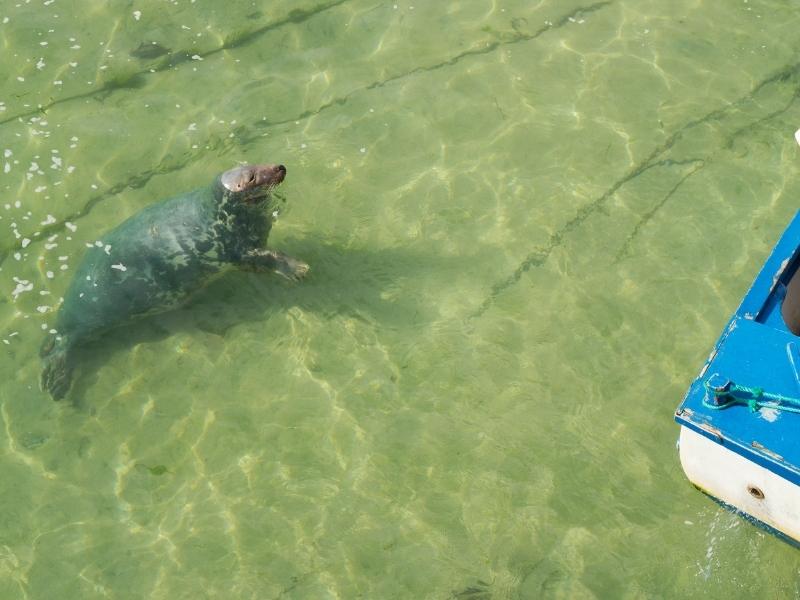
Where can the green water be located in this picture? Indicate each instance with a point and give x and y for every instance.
(527, 222)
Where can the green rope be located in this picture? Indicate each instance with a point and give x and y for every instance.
(724, 393)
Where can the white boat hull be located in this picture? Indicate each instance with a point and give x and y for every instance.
(748, 487)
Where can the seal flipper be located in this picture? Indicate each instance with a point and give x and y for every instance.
(57, 372)
(262, 259)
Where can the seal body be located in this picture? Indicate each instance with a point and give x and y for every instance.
(157, 258)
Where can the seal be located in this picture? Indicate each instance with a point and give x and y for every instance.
(156, 259)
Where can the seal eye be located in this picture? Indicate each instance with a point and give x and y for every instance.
(252, 178)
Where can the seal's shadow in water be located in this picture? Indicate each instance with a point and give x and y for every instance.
(342, 282)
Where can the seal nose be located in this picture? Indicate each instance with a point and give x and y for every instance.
(282, 169)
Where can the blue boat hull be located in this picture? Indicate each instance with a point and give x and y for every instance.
(740, 418)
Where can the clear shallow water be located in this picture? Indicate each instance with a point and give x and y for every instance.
(526, 223)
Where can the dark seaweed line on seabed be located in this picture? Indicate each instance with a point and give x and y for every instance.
(491, 47)
(486, 49)
(294, 17)
(244, 135)
(697, 164)
(537, 257)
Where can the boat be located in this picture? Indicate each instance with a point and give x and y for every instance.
(739, 421)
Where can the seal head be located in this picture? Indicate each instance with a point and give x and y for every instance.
(250, 183)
